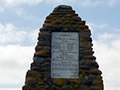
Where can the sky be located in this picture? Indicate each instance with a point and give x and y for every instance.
(20, 21)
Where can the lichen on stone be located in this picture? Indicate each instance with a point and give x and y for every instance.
(63, 19)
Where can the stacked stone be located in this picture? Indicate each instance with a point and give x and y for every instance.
(63, 19)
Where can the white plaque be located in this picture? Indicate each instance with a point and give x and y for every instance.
(65, 55)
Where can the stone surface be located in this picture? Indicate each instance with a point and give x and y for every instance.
(63, 19)
(65, 55)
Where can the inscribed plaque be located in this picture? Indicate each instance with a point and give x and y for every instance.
(65, 55)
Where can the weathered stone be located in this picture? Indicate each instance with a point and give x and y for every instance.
(39, 48)
(63, 19)
(44, 43)
(86, 44)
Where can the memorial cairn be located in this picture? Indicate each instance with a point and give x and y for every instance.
(63, 58)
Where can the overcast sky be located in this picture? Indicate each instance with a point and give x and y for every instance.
(20, 21)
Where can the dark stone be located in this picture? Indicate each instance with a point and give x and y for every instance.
(95, 89)
(64, 7)
(92, 58)
(85, 34)
(44, 37)
(38, 60)
(88, 83)
(83, 87)
(44, 43)
(84, 67)
(68, 82)
(63, 19)
(39, 48)
(93, 65)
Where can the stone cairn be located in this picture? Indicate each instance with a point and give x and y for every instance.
(63, 19)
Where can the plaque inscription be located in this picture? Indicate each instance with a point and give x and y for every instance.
(65, 55)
